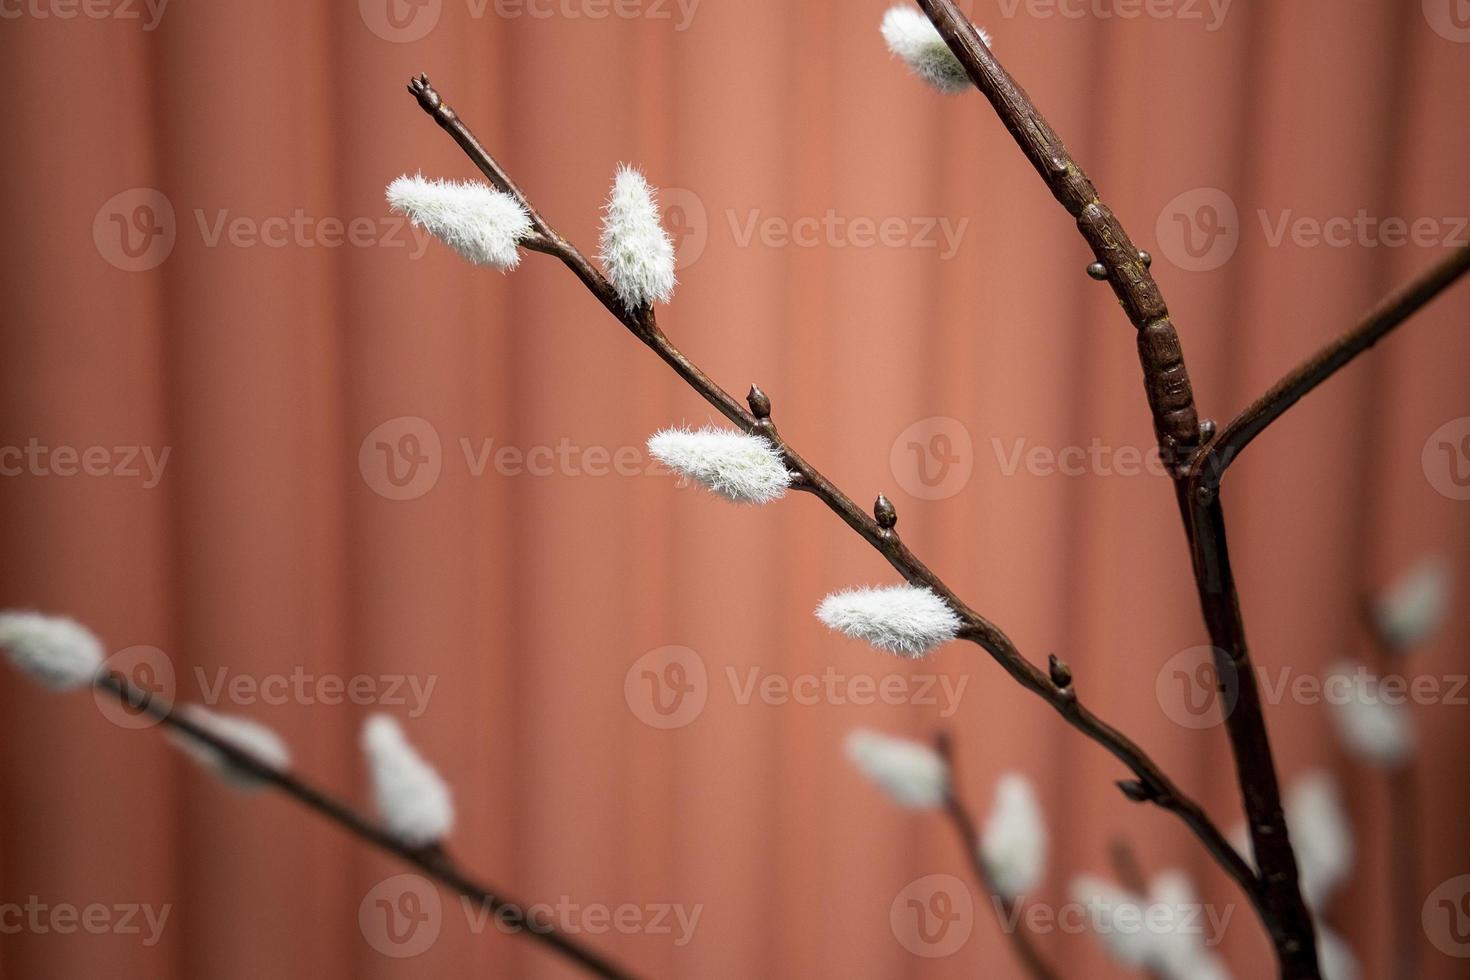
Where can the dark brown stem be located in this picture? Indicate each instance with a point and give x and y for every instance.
(1008, 913)
(1156, 787)
(1223, 450)
(432, 861)
(1176, 423)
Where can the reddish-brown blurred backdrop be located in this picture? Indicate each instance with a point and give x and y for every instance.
(262, 353)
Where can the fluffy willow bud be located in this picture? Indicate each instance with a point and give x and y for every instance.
(1372, 727)
(904, 619)
(636, 252)
(1414, 607)
(479, 222)
(740, 467)
(911, 36)
(912, 773)
(412, 798)
(54, 651)
(250, 737)
(1013, 843)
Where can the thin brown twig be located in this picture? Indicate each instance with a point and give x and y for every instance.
(1180, 434)
(1007, 909)
(432, 860)
(1225, 448)
(1152, 785)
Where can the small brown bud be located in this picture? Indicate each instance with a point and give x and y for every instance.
(1061, 674)
(1135, 791)
(884, 512)
(760, 405)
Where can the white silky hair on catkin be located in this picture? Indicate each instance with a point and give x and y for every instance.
(250, 737)
(637, 254)
(1414, 607)
(54, 651)
(1013, 843)
(912, 37)
(412, 799)
(1372, 727)
(1320, 833)
(1178, 945)
(1114, 913)
(740, 467)
(904, 619)
(911, 773)
(1162, 932)
(482, 224)
(1335, 956)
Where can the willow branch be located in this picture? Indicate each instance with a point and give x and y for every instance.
(432, 860)
(1008, 912)
(1223, 450)
(1152, 784)
(1176, 423)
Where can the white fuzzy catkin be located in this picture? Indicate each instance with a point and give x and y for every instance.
(637, 254)
(1321, 834)
(1371, 726)
(479, 222)
(911, 36)
(1413, 608)
(413, 800)
(910, 772)
(1116, 916)
(54, 651)
(1335, 957)
(740, 467)
(904, 619)
(1013, 843)
(250, 737)
(1163, 932)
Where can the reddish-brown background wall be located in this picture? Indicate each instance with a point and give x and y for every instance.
(266, 549)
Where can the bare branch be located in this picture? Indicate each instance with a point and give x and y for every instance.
(1176, 423)
(1159, 789)
(433, 861)
(1223, 450)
